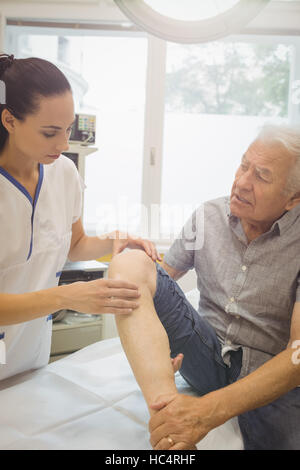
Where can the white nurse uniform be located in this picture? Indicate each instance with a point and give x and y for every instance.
(35, 237)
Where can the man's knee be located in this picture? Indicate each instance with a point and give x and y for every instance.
(134, 266)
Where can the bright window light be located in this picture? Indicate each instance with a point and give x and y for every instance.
(218, 95)
(108, 78)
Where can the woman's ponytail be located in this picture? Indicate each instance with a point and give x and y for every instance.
(5, 62)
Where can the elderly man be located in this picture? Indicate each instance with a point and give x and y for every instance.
(242, 348)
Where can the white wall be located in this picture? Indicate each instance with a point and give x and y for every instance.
(104, 10)
(63, 9)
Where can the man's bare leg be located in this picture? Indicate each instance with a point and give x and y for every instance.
(143, 337)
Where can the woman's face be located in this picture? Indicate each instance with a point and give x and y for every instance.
(43, 136)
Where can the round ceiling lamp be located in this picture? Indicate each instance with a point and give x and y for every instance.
(191, 21)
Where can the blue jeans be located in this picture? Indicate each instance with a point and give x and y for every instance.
(271, 427)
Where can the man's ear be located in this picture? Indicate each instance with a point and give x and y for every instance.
(8, 120)
(293, 202)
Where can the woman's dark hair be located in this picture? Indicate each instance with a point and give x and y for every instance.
(24, 82)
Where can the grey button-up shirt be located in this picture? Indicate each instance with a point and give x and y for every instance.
(247, 290)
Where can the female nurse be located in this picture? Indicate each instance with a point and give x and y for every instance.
(40, 225)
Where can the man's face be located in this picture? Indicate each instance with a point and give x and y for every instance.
(257, 193)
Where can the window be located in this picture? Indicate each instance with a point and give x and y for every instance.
(217, 96)
(116, 95)
(108, 76)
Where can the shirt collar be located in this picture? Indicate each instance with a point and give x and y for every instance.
(287, 219)
(281, 225)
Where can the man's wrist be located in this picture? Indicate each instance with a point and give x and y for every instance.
(218, 411)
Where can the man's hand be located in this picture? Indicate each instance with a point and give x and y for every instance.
(123, 240)
(177, 362)
(179, 423)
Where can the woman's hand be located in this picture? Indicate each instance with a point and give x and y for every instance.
(123, 240)
(100, 296)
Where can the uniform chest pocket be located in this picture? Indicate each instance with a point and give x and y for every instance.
(40, 271)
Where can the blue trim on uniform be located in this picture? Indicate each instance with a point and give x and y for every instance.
(49, 317)
(58, 274)
(37, 193)
(27, 195)
(16, 183)
(2, 335)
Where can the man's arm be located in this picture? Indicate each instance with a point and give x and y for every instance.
(273, 379)
(175, 274)
(191, 418)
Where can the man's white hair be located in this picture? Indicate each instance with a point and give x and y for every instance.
(289, 137)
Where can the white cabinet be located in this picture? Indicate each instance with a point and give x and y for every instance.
(67, 339)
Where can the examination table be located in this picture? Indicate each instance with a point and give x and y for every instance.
(88, 400)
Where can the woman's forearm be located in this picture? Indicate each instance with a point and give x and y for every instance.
(18, 308)
(91, 248)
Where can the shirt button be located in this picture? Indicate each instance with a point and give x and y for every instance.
(232, 299)
(237, 317)
(244, 268)
(228, 342)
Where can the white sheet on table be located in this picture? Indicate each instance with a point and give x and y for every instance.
(89, 400)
